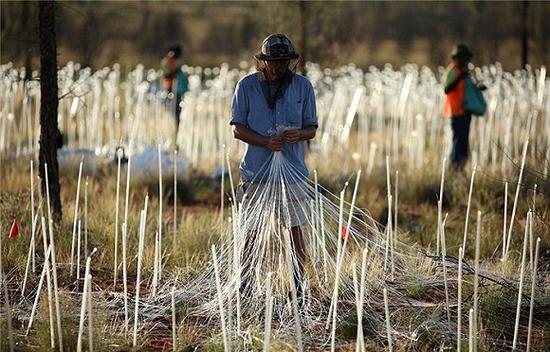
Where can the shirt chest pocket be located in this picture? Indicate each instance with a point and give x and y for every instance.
(293, 114)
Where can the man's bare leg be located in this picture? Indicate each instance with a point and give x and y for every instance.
(299, 266)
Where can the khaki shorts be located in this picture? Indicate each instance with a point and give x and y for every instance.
(298, 200)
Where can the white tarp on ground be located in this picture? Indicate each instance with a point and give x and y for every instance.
(144, 162)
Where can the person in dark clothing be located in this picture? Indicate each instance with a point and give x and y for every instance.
(460, 118)
(175, 81)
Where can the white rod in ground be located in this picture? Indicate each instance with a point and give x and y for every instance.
(174, 323)
(443, 256)
(40, 284)
(49, 283)
(504, 220)
(54, 264)
(75, 218)
(476, 271)
(155, 264)
(33, 228)
(90, 315)
(388, 323)
(395, 201)
(30, 254)
(83, 306)
(334, 303)
(471, 330)
(175, 200)
(117, 201)
(222, 183)
(55, 289)
(128, 171)
(459, 302)
(159, 258)
(532, 304)
(268, 313)
(521, 273)
(230, 177)
(466, 222)
(362, 290)
(125, 279)
(226, 345)
(510, 227)
(7, 309)
(357, 305)
(78, 251)
(140, 260)
(531, 255)
(86, 217)
(440, 205)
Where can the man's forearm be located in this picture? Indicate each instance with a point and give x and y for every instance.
(308, 133)
(248, 136)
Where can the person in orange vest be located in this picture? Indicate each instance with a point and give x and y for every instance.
(454, 91)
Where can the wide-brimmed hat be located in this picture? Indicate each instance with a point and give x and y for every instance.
(461, 51)
(277, 47)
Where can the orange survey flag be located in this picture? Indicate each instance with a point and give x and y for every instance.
(14, 231)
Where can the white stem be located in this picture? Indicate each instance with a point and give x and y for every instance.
(521, 272)
(509, 237)
(75, 218)
(140, 260)
(362, 293)
(90, 315)
(86, 218)
(159, 259)
(395, 201)
(29, 255)
(49, 283)
(504, 223)
(472, 331)
(533, 284)
(459, 302)
(40, 284)
(230, 177)
(78, 252)
(83, 306)
(443, 256)
(466, 222)
(334, 303)
(33, 229)
(174, 324)
(55, 289)
(125, 279)
(155, 264)
(226, 345)
(117, 201)
(440, 205)
(476, 267)
(222, 197)
(175, 201)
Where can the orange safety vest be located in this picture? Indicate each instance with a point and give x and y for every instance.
(453, 99)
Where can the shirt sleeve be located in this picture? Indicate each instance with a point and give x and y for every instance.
(239, 106)
(310, 108)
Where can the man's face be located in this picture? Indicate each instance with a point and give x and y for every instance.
(276, 69)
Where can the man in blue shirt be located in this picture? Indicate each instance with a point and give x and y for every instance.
(273, 111)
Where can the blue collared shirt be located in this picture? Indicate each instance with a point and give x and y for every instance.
(295, 109)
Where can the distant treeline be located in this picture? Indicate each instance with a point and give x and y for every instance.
(330, 33)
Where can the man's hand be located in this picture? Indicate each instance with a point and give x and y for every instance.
(275, 143)
(293, 136)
